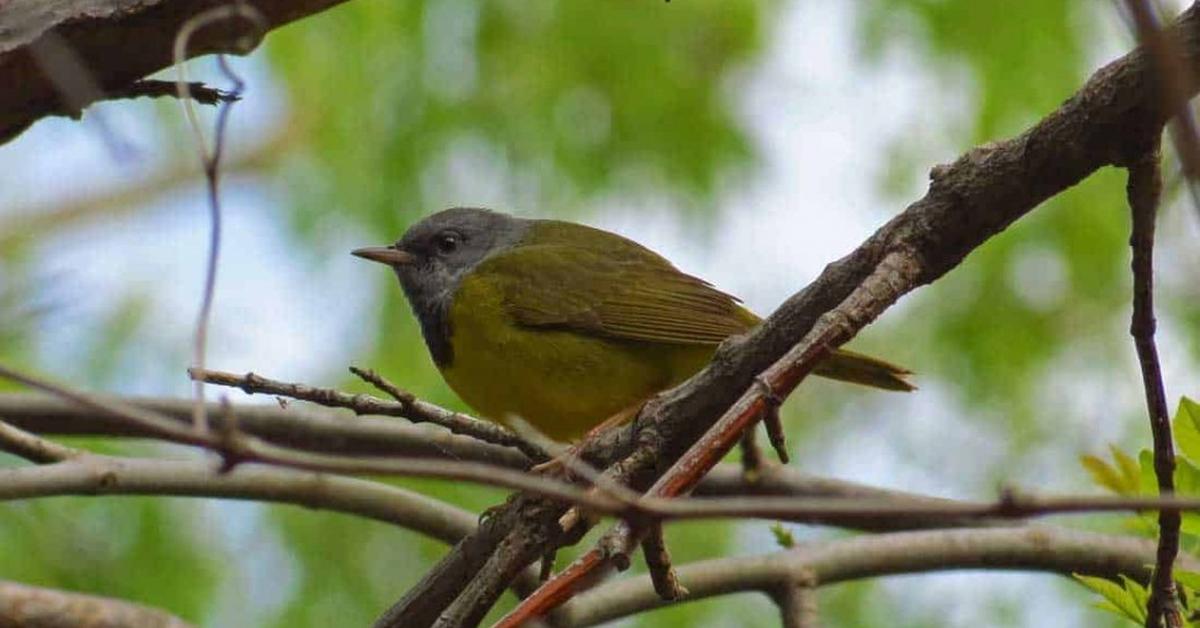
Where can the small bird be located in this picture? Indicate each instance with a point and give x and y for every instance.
(564, 325)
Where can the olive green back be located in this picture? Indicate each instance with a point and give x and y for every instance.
(572, 277)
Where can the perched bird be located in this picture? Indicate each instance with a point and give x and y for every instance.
(564, 325)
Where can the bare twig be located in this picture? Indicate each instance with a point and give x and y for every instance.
(1144, 189)
(383, 384)
(32, 448)
(414, 410)
(194, 90)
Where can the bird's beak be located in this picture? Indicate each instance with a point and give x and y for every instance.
(389, 255)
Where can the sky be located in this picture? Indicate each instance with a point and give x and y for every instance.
(821, 127)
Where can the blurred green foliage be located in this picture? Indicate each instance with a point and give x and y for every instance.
(555, 105)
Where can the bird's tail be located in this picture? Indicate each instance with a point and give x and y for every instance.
(857, 368)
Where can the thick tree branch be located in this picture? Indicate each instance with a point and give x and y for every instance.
(1034, 548)
(117, 42)
(24, 605)
(1111, 120)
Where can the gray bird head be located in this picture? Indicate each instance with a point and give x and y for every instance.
(433, 256)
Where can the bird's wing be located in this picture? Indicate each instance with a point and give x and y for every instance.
(613, 291)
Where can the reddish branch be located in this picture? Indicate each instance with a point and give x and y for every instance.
(1114, 119)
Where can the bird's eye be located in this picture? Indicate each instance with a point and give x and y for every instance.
(447, 242)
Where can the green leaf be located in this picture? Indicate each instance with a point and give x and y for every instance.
(1119, 598)
(1189, 579)
(1130, 472)
(1102, 473)
(1186, 426)
(1122, 476)
(1148, 482)
(1187, 477)
(783, 536)
(1139, 593)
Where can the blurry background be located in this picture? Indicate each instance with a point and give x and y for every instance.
(750, 142)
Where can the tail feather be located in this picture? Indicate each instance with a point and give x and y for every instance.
(856, 368)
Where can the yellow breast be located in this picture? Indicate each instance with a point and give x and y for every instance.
(562, 382)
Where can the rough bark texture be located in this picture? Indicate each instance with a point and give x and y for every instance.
(116, 42)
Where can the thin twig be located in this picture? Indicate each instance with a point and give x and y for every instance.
(297, 426)
(1144, 190)
(383, 384)
(31, 447)
(151, 88)
(211, 164)
(414, 410)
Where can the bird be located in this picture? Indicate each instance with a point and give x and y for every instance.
(567, 326)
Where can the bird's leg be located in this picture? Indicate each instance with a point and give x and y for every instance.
(556, 465)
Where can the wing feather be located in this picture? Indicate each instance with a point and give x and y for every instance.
(602, 284)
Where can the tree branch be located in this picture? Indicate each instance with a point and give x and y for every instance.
(296, 426)
(116, 42)
(1144, 190)
(24, 605)
(1033, 548)
(412, 409)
